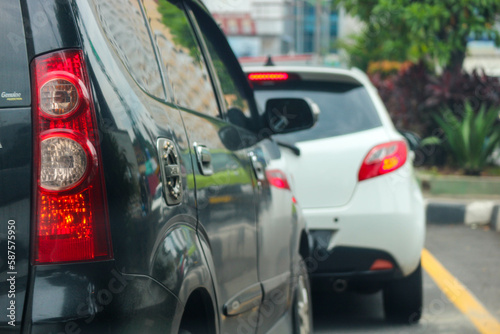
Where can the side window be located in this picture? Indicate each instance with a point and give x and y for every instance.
(124, 25)
(234, 96)
(238, 106)
(182, 57)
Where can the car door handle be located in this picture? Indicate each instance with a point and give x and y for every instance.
(258, 167)
(204, 159)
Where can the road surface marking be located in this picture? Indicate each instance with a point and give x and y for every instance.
(460, 296)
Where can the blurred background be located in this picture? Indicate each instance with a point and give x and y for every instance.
(435, 63)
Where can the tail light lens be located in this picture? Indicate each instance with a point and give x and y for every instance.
(383, 159)
(64, 160)
(70, 213)
(61, 96)
(277, 179)
(381, 264)
(271, 76)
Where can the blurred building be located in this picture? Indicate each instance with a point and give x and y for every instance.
(483, 54)
(309, 16)
(300, 30)
(257, 28)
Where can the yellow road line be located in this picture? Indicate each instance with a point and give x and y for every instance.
(458, 294)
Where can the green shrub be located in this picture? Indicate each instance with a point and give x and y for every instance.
(470, 139)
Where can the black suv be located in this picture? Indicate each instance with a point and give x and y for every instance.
(140, 191)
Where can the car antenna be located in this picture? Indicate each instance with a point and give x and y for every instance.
(269, 61)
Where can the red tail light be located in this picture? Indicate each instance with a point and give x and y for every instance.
(277, 178)
(277, 76)
(70, 214)
(383, 159)
(381, 264)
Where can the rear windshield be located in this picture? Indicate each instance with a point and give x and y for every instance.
(345, 108)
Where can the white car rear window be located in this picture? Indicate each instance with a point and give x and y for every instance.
(345, 108)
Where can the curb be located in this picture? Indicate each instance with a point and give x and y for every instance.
(452, 185)
(495, 218)
(472, 213)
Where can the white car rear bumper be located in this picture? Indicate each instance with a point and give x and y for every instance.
(386, 213)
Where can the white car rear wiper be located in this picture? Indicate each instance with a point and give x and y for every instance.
(292, 147)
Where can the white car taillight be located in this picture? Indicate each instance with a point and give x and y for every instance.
(277, 179)
(383, 159)
(70, 206)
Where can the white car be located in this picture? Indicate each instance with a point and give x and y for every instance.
(353, 177)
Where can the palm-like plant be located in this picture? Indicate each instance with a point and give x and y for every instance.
(470, 140)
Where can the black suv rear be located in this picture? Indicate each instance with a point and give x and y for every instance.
(139, 189)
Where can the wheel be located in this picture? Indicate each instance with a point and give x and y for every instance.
(403, 298)
(302, 304)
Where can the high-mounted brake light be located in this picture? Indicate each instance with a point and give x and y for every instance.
(277, 178)
(383, 159)
(70, 213)
(277, 76)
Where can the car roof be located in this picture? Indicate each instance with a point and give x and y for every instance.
(316, 73)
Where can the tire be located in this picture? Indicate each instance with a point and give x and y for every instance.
(302, 303)
(403, 298)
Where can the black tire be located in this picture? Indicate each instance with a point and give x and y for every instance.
(302, 303)
(403, 298)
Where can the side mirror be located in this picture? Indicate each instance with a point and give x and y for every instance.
(412, 138)
(290, 114)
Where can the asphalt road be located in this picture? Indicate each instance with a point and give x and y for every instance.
(471, 256)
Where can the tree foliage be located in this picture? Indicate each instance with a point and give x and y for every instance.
(176, 21)
(435, 31)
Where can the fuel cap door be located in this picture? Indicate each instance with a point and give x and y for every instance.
(170, 171)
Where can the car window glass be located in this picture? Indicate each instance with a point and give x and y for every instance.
(182, 58)
(237, 106)
(345, 109)
(234, 96)
(124, 25)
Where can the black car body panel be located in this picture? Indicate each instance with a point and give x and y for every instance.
(195, 224)
(96, 298)
(49, 25)
(15, 203)
(15, 167)
(15, 81)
